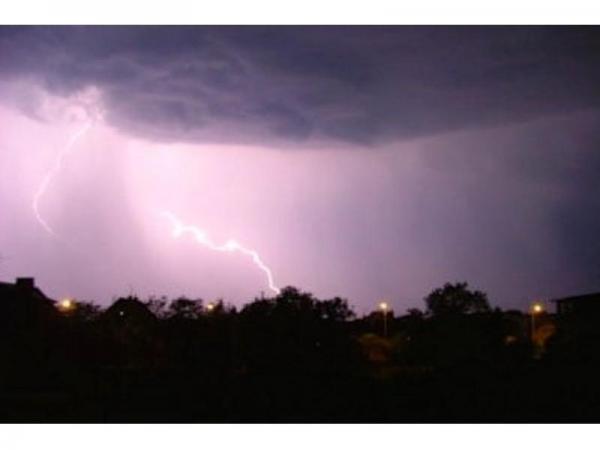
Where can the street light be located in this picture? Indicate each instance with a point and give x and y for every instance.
(66, 304)
(536, 309)
(210, 307)
(384, 307)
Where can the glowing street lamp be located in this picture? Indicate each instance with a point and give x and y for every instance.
(384, 307)
(210, 307)
(536, 309)
(66, 305)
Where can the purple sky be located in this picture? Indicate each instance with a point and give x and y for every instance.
(373, 162)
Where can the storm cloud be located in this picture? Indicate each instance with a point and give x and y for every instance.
(296, 85)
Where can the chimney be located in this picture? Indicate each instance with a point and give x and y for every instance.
(25, 283)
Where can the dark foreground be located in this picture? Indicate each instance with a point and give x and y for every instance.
(537, 394)
(291, 359)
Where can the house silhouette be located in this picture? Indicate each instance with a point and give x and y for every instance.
(24, 304)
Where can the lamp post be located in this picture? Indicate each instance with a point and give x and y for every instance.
(536, 309)
(67, 306)
(384, 307)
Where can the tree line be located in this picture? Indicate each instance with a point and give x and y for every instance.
(292, 357)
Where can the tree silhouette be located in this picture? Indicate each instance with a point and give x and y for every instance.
(295, 332)
(184, 308)
(86, 311)
(335, 310)
(454, 299)
(157, 306)
(292, 357)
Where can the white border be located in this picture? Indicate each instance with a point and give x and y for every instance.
(301, 12)
(297, 437)
(291, 437)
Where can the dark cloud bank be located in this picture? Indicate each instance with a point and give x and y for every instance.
(363, 85)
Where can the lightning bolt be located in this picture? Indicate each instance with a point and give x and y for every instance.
(179, 228)
(53, 172)
(201, 237)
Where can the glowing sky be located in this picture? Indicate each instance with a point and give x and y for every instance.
(368, 163)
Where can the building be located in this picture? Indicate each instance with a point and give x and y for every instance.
(29, 332)
(129, 311)
(579, 334)
(579, 315)
(22, 287)
(579, 305)
(22, 302)
(132, 331)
